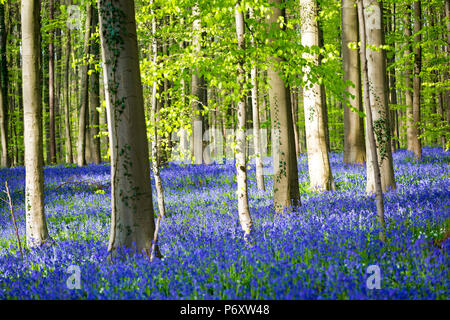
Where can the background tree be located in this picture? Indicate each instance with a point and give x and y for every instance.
(408, 80)
(94, 93)
(84, 106)
(4, 105)
(198, 92)
(416, 143)
(67, 126)
(354, 147)
(36, 226)
(51, 87)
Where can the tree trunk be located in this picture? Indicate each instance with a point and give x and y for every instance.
(36, 226)
(392, 83)
(417, 146)
(447, 74)
(320, 175)
(354, 146)
(44, 77)
(197, 87)
(256, 124)
(408, 82)
(58, 85)
(294, 102)
(301, 131)
(82, 127)
(286, 188)
(51, 88)
(18, 115)
(370, 124)
(322, 86)
(94, 97)
(241, 163)
(4, 107)
(440, 94)
(153, 121)
(132, 217)
(184, 143)
(376, 67)
(67, 125)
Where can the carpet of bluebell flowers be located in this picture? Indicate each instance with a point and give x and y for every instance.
(320, 250)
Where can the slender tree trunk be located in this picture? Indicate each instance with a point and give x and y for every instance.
(301, 131)
(44, 78)
(447, 74)
(82, 127)
(376, 67)
(294, 102)
(94, 96)
(58, 85)
(417, 145)
(370, 123)
(392, 82)
(256, 124)
(320, 175)
(18, 115)
(354, 146)
(51, 88)
(153, 111)
(197, 84)
(440, 94)
(67, 125)
(408, 82)
(241, 163)
(212, 121)
(4, 107)
(322, 86)
(132, 217)
(183, 137)
(286, 188)
(165, 142)
(36, 226)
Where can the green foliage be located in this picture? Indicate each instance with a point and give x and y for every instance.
(217, 60)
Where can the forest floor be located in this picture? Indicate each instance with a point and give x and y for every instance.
(322, 250)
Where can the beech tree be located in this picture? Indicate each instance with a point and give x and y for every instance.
(132, 216)
(377, 81)
(154, 109)
(198, 92)
(256, 122)
(94, 95)
(4, 105)
(393, 101)
(51, 88)
(370, 124)
(286, 188)
(67, 131)
(84, 105)
(241, 163)
(354, 147)
(416, 143)
(447, 73)
(319, 168)
(408, 80)
(36, 225)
